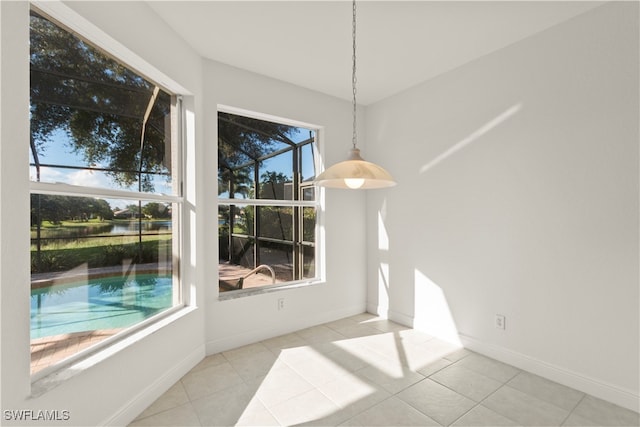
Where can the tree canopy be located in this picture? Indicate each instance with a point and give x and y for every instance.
(100, 104)
(243, 142)
(56, 209)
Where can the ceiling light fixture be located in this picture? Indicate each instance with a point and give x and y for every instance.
(355, 172)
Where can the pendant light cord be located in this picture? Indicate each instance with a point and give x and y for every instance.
(353, 76)
(354, 173)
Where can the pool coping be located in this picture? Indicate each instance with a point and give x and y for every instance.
(44, 280)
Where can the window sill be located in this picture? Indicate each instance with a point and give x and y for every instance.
(242, 293)
(61, 373)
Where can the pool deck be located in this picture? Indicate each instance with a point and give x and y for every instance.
(229, 275)
(48, 351)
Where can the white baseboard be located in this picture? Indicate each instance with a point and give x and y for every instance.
(403, 319)
(394, 316)
(611, 393)
(286, 326)
(153, 391)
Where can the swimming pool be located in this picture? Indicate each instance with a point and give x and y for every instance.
(102, 303)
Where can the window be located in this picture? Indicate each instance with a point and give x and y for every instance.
(105, 197)
(267, 205)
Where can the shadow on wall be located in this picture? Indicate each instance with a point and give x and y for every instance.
(423, 303)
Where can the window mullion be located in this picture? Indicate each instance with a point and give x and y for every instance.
(58, 188)
(269, 202)
(278, 221)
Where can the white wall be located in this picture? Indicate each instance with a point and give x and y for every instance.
(235, 322)
(114, 390)
(518, 194)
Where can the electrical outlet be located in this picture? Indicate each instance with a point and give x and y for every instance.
(280, 303)
(500, 321)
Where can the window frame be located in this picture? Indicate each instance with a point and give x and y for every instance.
(301, 204)
(62, 16)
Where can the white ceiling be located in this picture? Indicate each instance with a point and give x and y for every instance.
(399, 43)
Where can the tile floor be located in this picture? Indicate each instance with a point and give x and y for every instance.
(367, 371)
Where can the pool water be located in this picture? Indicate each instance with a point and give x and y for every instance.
(103, 303)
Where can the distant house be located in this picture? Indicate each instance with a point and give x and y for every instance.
(123, 214)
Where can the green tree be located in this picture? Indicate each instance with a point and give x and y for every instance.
(244, 142)
(103, 210)
(272, 185)
(134, 210)
(100, 104)
(56, 209)
(48, 208)
(156, 210)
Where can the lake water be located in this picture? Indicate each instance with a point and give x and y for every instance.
(116, 228)
(134, 226)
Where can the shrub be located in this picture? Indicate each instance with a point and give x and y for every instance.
(51, 261)
(114, 254)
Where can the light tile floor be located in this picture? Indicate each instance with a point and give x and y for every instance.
(367, 371)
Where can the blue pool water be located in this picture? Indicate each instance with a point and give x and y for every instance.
(104, 303)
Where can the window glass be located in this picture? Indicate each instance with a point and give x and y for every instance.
(243, 220)
(276, 222)
(243, 182)
(279, 256)
(276, 177)
(261, 244)
(308, 193)
(307, 163)
(94, 122)
(242, 251)
(308, 224)
(308, 263)
(99, 264)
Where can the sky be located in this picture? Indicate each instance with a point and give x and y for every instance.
(58, 151)
(283, 163)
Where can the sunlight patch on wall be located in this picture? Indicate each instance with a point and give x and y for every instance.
(383, 289)
(432, 314)
(383, 267)
(383, 235)
(474, 136)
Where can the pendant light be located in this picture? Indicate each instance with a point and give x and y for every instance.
(355, 172)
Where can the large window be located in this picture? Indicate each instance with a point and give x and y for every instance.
(105, 197)
(266, 203)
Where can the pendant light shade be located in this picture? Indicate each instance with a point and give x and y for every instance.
(355, 173)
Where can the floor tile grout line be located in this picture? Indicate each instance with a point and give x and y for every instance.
(170, 409)
(409, 403)
(378, 387)
(480, 403)
(226, 358)
(570, 411)
(196, 414)
(573, 409)
(506, 384)
(255, 395)
(482, 400)
(454, 362)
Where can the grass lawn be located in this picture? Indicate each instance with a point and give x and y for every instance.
(71, 251)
